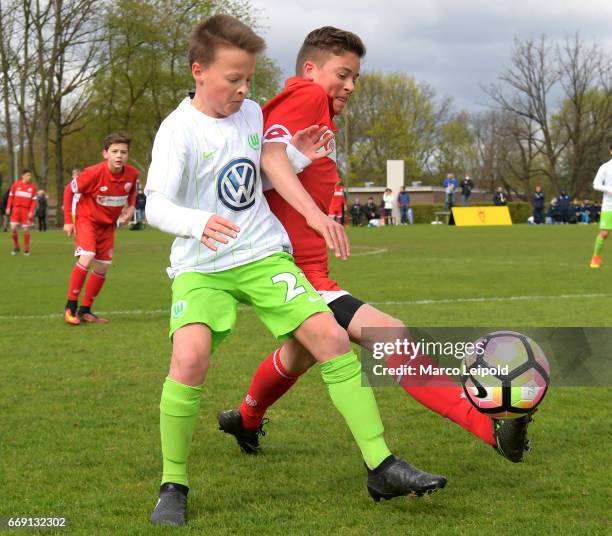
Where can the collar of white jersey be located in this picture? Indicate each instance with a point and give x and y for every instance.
(185, 106)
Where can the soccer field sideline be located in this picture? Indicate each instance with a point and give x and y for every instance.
(93, 393)
(241, 307)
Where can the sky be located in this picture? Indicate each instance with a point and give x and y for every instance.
(454, 46)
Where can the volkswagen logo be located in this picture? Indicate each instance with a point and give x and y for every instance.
(236, 184)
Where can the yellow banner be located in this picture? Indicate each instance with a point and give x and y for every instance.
(481, 216)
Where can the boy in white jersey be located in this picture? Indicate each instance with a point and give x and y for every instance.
(204, 187)
(603, 183)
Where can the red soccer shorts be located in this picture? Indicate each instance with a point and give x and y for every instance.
(20, 215)
(320, 280)
(93, 239)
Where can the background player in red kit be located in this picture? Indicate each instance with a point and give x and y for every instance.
(20, 207)
(328, 66)
(107, 196)
(338, 203)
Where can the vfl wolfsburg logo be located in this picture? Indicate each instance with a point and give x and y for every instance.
(236, 184)
(254, 141)
(178, 309)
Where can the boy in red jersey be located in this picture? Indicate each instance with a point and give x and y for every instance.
(107, 196)
(338, 204)
(20, 207)
(327, 68)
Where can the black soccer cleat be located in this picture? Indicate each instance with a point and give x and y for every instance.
(395, 477)
(171, 507)
(230, 422)
(511, 437)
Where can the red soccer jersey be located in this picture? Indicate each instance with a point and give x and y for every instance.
(338, 201)
(301, 104)
(103, 194)
(22, 195)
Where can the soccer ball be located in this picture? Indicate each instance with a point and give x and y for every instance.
(506, 375)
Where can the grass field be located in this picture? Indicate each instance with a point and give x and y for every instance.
(79, 406)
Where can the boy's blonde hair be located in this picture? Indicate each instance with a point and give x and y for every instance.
(221, 31)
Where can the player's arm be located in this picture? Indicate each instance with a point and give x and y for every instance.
(32, 206)
(128, 211)
(11, 197)
(68, 195)
(599, 182)
(281, 175)
(168, 162)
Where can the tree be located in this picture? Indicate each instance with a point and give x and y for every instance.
(47, 56)
(390, 116)
(563, 142)
(147, 73)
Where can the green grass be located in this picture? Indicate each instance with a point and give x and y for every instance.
(79, 406)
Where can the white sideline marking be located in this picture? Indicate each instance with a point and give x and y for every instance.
(492, 299)
(407, 302)
(373, 251)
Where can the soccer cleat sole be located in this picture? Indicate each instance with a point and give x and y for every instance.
(377, 496)
(92, 319)
(429, 490)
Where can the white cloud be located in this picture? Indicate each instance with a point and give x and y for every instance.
(455, 46)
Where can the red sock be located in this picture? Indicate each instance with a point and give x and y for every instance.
(270, 382)
(15, 239)
(93, 288)
(446, 398)
(26, 240)
(77, 278)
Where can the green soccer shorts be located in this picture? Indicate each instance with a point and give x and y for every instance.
(605, 220)
(276, 288)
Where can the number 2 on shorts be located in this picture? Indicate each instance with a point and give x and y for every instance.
(293, 289)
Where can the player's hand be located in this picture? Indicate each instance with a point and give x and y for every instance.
(217, 229)
(310, 140)
(68, 229)
(333, 233)
(126, 215)
(8, 212)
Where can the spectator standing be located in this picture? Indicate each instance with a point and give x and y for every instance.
(3, 205)
(538, 205)
(42, 202)
(403, 200)
(388, 206)
(141, 203)
(500, 199)
(467, 185)
(450, 185)
(564, 206)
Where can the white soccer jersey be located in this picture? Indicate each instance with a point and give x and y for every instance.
(75, 200)
(603, 183)
(203, 166)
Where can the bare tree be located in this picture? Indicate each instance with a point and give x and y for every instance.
(560, 98)
(48, 58)
(7, 23)
(585, 118)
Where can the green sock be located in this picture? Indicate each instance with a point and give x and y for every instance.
(178, 413)
(357, 404)
(599, 242)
